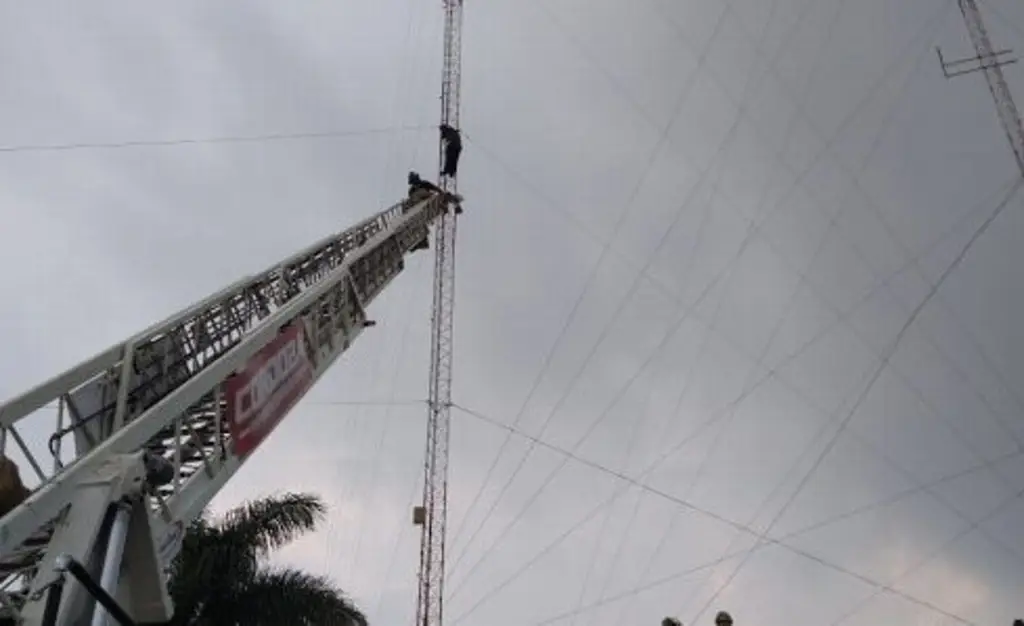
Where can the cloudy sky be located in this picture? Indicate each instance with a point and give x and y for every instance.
(694, 232)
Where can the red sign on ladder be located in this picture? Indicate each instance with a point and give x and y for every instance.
(259, 396)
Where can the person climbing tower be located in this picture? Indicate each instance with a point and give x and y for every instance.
(452, 149)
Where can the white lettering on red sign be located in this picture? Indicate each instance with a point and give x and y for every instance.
(260, 395)
(268, 380)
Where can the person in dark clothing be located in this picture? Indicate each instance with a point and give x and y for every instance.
(417, 186)
(420, 189)
(12, 491)
(452, 150)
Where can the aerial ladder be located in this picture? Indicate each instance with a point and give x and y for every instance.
(148, 431)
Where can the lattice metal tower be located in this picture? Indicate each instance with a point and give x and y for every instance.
(990, 61)
(434, 512)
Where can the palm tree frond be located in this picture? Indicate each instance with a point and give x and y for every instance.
(218, 578)
(269, 523)
(285, 597)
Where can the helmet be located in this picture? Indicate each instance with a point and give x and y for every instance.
(723, 619)
(671, 621)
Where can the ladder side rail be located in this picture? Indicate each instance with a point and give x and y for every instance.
(180, 346)
(36, 398)
(344, 328)
(329, 251)
(46, 502)
(190, 347)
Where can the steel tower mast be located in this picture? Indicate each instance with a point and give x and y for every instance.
(989, 61)
(434, 512)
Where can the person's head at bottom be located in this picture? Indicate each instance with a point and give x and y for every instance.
(723, 619)
(671, 621)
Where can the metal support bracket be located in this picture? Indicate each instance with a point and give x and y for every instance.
(67, 564)
(83, 534)
(973, 64)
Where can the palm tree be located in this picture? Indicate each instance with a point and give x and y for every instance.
(220, 577)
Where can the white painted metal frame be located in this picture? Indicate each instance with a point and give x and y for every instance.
(171, 403)
(84, 533)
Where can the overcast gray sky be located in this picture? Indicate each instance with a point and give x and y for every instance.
(693, 231)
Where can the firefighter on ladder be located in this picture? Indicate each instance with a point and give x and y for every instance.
(420, 190)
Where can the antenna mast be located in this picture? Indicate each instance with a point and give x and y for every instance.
(990, 62)
(432, 516)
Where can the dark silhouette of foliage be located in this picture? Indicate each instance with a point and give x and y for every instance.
(220, 577)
